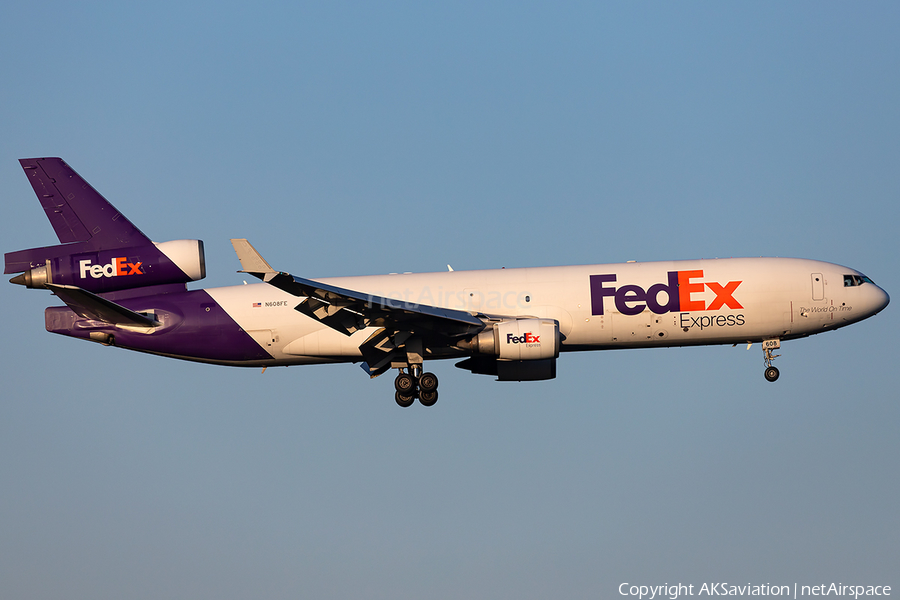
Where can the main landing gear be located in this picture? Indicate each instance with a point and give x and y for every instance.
(771, 372)
(415, 384)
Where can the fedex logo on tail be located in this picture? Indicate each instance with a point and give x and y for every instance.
(676, 295)
(118, 266)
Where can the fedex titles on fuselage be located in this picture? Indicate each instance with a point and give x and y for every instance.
(674, 296)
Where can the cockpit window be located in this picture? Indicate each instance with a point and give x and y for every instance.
(855, 280)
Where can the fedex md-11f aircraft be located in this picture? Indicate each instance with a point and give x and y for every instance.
(121, 289)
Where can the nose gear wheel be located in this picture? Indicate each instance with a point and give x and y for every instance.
(771, 371)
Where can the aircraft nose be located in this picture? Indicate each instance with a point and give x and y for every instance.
(876, 300)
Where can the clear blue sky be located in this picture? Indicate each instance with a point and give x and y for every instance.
(361, 138)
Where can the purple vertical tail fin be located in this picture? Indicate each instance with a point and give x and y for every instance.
(101, 250)
(77, 212)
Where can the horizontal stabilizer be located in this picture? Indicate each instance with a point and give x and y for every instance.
(91, 306)
(251, 261)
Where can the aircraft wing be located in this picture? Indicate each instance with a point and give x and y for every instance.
(348, 311)
(404, 327)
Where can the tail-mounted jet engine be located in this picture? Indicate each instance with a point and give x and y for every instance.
(515, 350)
(98, 271)
(100, 250)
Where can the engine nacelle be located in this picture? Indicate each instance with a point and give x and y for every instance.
(518, 339)
(108, 270)
(515, 350)
(188, 255)
(528, 339)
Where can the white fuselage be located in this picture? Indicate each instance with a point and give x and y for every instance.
(630, 305)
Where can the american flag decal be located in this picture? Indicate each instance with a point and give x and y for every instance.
(257, 304)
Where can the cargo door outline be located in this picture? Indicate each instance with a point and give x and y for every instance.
(818, 287)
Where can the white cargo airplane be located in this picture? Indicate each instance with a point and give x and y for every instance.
(122, 289)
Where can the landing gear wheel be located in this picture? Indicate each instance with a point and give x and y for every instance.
(428, 382)
(769, 356)
(405, 384)
(428, 398)
(404, 400)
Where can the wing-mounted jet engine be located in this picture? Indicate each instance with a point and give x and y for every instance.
(523, 349)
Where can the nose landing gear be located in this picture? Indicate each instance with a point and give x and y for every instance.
(771, 371)
(415, 384)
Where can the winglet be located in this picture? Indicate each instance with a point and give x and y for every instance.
(251, 260)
